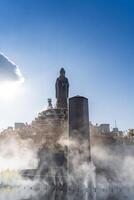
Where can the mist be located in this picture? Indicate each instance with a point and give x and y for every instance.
(109, 174)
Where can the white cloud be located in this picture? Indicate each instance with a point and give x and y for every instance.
(9, 71)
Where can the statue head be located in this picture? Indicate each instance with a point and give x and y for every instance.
(62, 72)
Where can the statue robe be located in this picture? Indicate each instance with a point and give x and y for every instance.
(62, 88)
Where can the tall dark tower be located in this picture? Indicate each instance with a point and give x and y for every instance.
(62, 90)
(79, 121)
(78, 117)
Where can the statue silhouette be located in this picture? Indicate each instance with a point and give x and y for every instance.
(62, 90)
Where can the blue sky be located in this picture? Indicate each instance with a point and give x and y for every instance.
(93, 40)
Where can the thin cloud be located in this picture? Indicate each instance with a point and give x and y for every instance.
(9, 71)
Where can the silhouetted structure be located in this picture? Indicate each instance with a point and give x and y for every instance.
(78, 118)
(62, 90)
(79, 125)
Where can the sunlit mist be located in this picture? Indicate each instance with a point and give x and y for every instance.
(10, 89)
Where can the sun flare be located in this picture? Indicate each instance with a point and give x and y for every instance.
(9, 89)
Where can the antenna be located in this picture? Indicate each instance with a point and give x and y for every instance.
(115, 124)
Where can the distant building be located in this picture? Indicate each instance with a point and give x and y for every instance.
(131, 132)
(104, 128)
(19, 125)
(10, 128)
(115, 130)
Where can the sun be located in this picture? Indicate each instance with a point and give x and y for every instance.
(9, 89)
